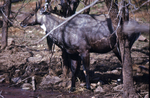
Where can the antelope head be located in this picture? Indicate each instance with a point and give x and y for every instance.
(34, 17)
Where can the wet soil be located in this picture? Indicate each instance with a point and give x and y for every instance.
(19, 62)
(16, 92)
(22, 60)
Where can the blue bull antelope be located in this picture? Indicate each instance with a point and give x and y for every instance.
(79, 37)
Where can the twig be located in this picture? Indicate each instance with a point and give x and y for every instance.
(68, 19)
(33, 83)
(135, 9)
(9, 20)
(110, 7)
(22, 7)
(6, 16)
(21, 81)
(1, 94)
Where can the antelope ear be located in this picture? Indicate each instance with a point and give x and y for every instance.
(40, 3)
(36, 6)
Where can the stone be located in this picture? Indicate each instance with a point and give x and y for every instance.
(35, 59)
(82, 84)
(99, 83)
(16, 80)
(68, 84)
(99, 89)
(118, 87)
(2, 78)
(26, 86)
(146, 96)
(64, 84)
(17, 73)
(52, 80)
(92, 61)
(114, 72)
(93, 85)
(10, 41)
(142, 38)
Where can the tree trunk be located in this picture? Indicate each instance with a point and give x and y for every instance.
(7, 9)
(113, 9)
(86, 2)
(128, 86)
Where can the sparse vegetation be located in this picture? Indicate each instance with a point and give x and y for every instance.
(17, 61)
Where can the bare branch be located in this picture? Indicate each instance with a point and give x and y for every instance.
(141, 5)
(6, 16)
(22, 6)
(110, 7)
(1, 94)
(10, 20)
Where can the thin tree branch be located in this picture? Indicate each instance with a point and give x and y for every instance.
(141, 5)
(6, 16)
(1, 94)
(10, 20)
(22, 6)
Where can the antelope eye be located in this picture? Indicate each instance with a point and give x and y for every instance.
(32, 14)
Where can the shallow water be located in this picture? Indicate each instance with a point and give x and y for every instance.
(16, 92)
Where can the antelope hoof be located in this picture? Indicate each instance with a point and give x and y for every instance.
(72, 89)
(89, 88)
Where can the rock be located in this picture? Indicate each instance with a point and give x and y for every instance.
(82, 84)
(35, 59)
(16, 79)
(99, 89)
(7, 78)
(10, 41)
(142, 38)
(118, 88)
(17, 73)
(100, 83)
(64, 83)
(113, 72)
(50, 80)
(2, 78)
(92, 61)
(26, 86)
(93, 85)
(68, 84)
(146, 96)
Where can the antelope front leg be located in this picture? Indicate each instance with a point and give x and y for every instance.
(85, 57)
(75, 67)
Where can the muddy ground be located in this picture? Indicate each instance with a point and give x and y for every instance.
(31, 71)
(21, 61)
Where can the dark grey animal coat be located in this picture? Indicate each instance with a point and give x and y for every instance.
(78, 37)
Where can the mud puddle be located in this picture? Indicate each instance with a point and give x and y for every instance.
(17, 92)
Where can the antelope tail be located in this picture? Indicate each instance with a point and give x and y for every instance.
(134, 27)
